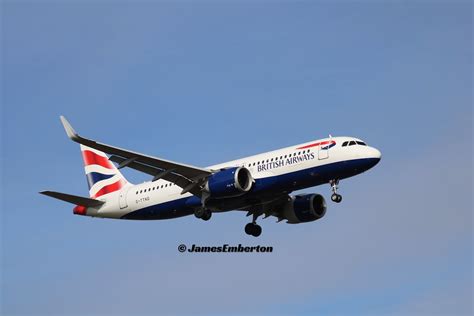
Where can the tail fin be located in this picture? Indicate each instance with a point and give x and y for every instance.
(102, 175)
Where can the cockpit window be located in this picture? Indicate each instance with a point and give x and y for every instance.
(353, 142)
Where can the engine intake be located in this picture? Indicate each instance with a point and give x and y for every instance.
(229, 183)
(305, 208)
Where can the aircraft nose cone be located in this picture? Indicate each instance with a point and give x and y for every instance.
(372, 157)
(376, 153)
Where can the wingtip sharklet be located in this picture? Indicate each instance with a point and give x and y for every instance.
(71, 133)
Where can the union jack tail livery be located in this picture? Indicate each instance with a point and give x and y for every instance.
(102, 175)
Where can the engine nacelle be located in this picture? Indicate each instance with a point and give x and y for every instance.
(229, 183)
(304, 208)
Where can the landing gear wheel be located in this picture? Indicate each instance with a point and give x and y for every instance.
(199, 212)
(257, 230)
(207, 215)
(336, 198)
(253, 229)
(249, 228)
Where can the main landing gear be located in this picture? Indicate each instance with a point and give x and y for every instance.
(203, 214)
(335, 197)
(253, 228)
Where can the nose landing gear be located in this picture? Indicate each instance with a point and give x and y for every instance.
(253, 228)
(335, 197)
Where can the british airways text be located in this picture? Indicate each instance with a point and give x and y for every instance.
(284, 162)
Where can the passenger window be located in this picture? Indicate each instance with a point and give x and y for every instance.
(352, 143)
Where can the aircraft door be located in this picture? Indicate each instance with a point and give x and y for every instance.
(323, 152)
(123, 198)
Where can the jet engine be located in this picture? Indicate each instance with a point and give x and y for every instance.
(304, 208)
(229, 182)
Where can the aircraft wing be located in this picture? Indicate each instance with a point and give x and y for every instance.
(186, 176)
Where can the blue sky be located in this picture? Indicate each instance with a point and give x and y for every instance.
(209, 82)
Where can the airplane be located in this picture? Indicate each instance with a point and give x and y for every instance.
(260, 185)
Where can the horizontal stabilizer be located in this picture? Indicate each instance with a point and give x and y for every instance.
(74, 199)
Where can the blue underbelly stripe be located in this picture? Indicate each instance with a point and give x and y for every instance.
(276, 184)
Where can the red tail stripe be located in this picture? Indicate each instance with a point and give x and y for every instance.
(110, 188)
(317, 144)
(91, 158)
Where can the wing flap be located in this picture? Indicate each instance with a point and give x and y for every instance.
(168, 175)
